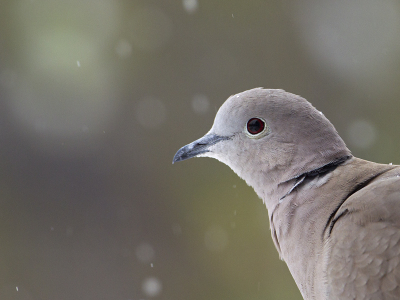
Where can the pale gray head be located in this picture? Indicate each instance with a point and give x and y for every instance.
(268, 136)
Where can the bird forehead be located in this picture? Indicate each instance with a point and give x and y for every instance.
(271, 105)
(237, 107)
(232, 116)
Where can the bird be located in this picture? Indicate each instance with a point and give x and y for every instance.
(334, 218)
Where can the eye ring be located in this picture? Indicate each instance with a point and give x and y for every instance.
(256, 127)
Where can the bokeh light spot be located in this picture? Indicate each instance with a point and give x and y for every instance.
(353, 38)
(150, 28)
(216, 239)
(63, 86)
(145, 252)
(151, 287)
(362, 134)
(123, 48)
(200, 104)
(150, 113)
(190, 5)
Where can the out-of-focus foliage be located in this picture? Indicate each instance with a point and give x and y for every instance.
(96, 97)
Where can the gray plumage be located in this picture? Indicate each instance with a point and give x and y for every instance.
(335, 218)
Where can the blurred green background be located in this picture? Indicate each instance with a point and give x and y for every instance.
(97, 96)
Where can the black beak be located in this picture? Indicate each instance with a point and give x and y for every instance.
(198, 147)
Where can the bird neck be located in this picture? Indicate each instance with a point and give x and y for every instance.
(301, 179)
(274, 189)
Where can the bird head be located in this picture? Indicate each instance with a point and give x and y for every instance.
(268, 136)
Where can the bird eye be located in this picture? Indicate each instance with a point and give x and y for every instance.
(255, 127)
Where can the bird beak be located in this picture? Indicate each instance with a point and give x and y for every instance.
(198, 147)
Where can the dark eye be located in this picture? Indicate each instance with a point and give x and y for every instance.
(255, 126)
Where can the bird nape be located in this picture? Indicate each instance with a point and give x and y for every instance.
(335, 218)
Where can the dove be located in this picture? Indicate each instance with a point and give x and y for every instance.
(334, 218)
